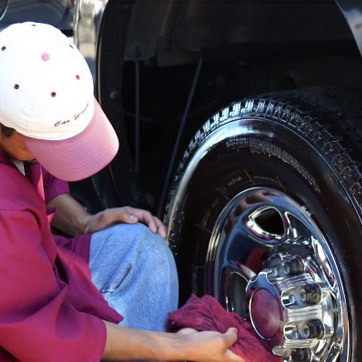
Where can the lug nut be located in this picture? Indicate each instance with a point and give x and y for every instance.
(306, 332)
(310, 294)
(301, 355)
(314, 329)
(293, 267)
(274, 261)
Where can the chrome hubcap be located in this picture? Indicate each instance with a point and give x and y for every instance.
(269, 262)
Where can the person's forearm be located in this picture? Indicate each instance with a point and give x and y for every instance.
(125, 344)
(71, 216)
(73, 219)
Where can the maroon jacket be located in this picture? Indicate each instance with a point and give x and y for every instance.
(49, 308)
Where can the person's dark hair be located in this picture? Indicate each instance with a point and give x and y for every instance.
(6, 131)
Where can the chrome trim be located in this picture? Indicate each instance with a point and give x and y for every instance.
(352, 11)
(6, 5)
(87, 19)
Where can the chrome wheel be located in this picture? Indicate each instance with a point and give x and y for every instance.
(268, 261)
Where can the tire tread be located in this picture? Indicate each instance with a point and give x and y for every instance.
(339, 137)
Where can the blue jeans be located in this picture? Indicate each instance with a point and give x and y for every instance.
(135, 271)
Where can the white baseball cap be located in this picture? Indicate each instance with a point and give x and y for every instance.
(46, 92)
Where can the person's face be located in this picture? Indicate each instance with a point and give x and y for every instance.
(14, 147)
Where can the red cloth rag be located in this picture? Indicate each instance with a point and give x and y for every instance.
(206, 314)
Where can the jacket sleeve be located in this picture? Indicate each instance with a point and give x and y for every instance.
(53, 186)
(36, 321)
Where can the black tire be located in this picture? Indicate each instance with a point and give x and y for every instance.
(305, 144)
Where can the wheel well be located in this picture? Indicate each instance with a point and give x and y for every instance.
(246, 48)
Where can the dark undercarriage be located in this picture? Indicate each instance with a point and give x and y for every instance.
(161, 81)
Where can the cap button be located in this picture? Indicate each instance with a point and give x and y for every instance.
(45, 56)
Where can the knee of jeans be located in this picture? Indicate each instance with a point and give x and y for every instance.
(142, 234)
(137, 231)
(152, 245)
(140, 229)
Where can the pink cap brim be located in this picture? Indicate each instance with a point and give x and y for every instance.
(80, 156)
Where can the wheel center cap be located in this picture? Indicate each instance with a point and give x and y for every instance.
(289, 309)
(265, 313)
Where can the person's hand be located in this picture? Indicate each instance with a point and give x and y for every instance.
(210, 346)
(127, 215)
